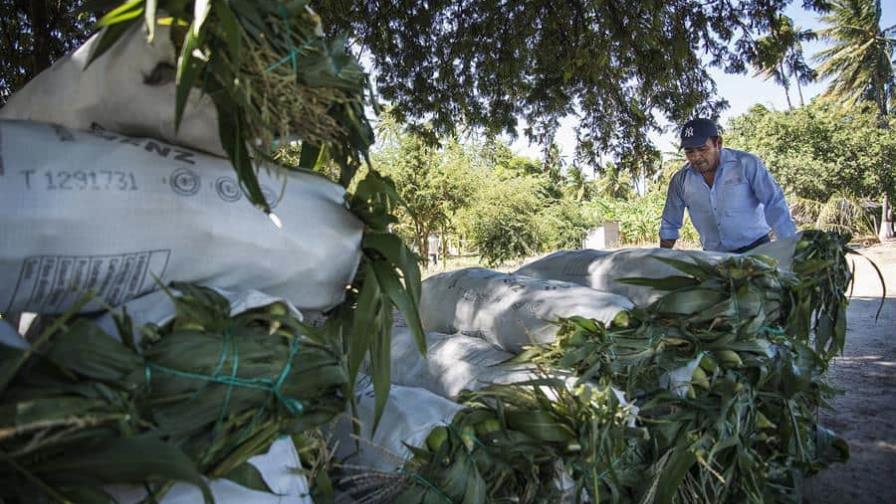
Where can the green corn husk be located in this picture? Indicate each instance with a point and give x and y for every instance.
(260, 349)
(824, 275)
(742, 425)
(64, 435)
(272, 73)
(208, 392)
(317, 464)
(514, 443)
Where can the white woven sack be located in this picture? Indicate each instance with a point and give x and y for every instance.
(99, 211)
(453, 362)
(280, 468)
(408, 418)
(510, 311)
(130, 90)
(10, 337)
(780, 250)
(603, 269)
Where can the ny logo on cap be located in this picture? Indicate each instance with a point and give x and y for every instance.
(689, 132)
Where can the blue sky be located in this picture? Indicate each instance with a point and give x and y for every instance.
(741, 91)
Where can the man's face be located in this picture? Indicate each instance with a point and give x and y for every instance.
(705, 158)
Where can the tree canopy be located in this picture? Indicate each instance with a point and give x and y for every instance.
(615, 63)
(820, 150)
(859, 61)
(35, 34)
(779, 56)
(860, 64)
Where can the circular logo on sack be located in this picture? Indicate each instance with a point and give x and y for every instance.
(228, 189)
(184, 182)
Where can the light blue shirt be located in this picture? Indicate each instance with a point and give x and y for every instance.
(737, 210)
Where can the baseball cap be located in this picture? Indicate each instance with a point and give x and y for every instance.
(695, 132)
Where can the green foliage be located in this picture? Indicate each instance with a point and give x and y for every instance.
(779, 56)
(271, 73)
(726, 371)
(614, 183)
(502, 221)
(500, 205)
(435, 183)
(821, 149)
(513, 443)
(859, 62)
(860, 65)
(35, 34)
(639, 218)
(565, 223)
(621, 64)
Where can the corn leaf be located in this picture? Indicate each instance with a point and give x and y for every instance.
(149, 17)
(407, 296)
(231, 132)
(133, 460)
(125, 12)
(680, 461)
(248, 476)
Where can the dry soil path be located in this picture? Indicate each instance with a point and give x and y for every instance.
(865, 413)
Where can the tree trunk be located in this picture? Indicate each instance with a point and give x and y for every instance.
(40, 29)
(800, 91)
(886, 217)
(786, 85)
(422, 242)
(886, 220)
(444, 243)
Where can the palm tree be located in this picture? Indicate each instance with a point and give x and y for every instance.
(614, 182)
(577, 186)
(860, 66)
(779, 56)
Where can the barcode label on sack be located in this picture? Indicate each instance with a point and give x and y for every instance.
(49, 282)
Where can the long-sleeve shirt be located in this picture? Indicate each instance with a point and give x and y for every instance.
(742, 205)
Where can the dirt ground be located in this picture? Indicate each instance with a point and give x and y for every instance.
(865, 413)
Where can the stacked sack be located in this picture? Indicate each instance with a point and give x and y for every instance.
(557, 386)
(104, 202)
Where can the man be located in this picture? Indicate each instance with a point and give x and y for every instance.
(731, 197)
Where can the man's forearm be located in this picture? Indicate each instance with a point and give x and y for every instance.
(667, 243)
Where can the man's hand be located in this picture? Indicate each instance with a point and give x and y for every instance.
(667, 243)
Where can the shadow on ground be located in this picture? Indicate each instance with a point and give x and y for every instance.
(865, 413)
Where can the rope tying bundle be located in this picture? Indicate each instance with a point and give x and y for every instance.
(230, 352)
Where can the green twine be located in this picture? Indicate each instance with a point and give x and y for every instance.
(230, 346)
(293, 51)
(288, 35)
(290, 56)
(774, 330)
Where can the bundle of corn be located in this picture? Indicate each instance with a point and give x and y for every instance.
(208, 392)
(317, 463)
(271, 72)
(823, 276)
(274, 77)
(528, 442)
(713, 372)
